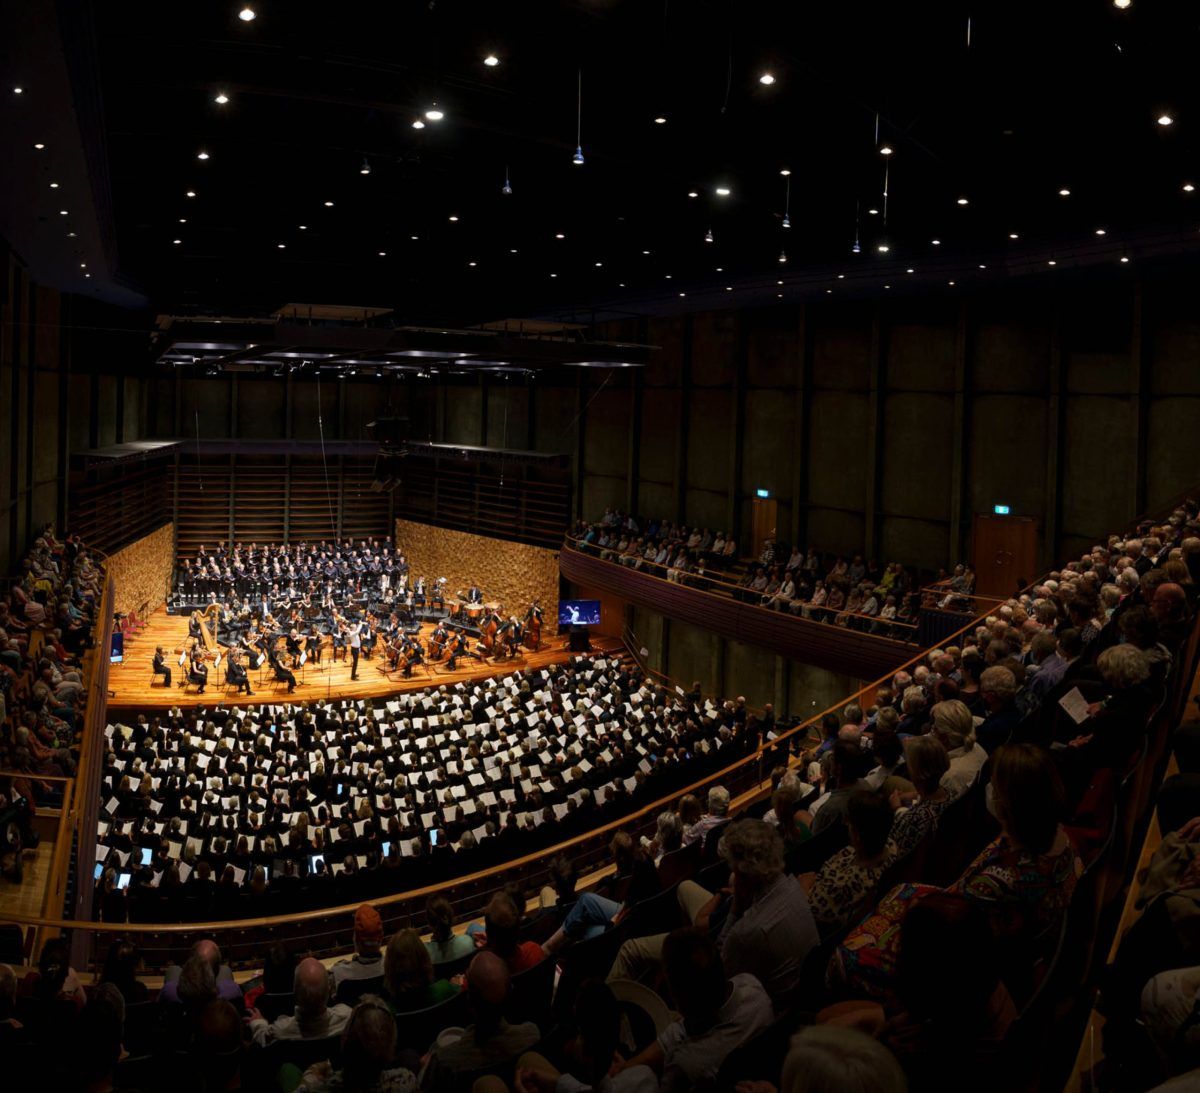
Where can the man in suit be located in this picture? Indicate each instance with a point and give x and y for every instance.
(474, 595)
(355, 648)
(160, 666)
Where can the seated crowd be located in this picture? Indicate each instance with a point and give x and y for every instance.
(847, 591)
(220, 812)
(877, 929)
(46, 621)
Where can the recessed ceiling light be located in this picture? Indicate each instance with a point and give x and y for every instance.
(329, 204)
(281, 246)
(785, 171)
(645, 252)
(766, 78)
(414, 237)
(908, 271)
(720, 269)
(1165, 119)
(434, 114)
(202, 155)
(683, 294)
(660, 120)
(692, 193)
(883, 248)
(554, 275)
(18, 90)
(1064, 192)
(936, 242)
(453, 219)
(1052, 262)
(950, 282)
(54, 185)
(62, 212)
(1013, 235)
(70, 235)
(885, 149)
(667, 275)
(39, 146)
(841, 276)
(87, 275)
(982, 266)
(1188, 187)
(176, 241)
(780, 294)
(83, 265)
(1101, 231)
(183, 220)
(491, 60)
(221, 98)
(1122, 4)
(962, 201)
(559, 235)
(247, 14)
(779, 282)
(1124, 257)
(621, 284)
(723, 191)
(471, 263)
(599, 264)
(512, 250)
(383, 254)
(729, 288)
(872, 212)
(190, 193)
(418, 124)
(302, 227)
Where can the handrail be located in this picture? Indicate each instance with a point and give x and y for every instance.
(652, 569)
(492, 872)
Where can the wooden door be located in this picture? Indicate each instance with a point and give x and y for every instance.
(1004, 553)
(763, 516)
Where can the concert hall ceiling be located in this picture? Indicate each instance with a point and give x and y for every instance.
(421, 156)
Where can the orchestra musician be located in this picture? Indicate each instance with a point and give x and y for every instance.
(198, 670)
(294, 645)
(474, 594)
(282, 674)
(512, 633)
(533, 626)
(459, 648)
(340, 635)
(410, 654)
(438, 641)
(194, 625)
(235, 672)
(160, 666)
(368, 636)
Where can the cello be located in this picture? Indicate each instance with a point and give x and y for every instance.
(488, 630)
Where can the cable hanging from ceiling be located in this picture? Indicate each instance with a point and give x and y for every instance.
(577, 159)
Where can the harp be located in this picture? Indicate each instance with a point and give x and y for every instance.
(210, 619)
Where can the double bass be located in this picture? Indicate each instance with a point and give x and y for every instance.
(533, 626)
(489, 628)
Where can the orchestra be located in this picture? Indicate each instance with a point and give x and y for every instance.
(282, 606)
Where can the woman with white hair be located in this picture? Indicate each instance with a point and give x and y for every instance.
(954, 726)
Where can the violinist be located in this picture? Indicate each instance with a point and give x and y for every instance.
(235, 672)
(160, 666)
(294, 645)
(282, 675)
(198, 670)
(340, 635)
(368, 635)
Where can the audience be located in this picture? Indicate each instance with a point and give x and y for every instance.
(489, 1044)
(367, 961)
(408, 975)
(314, 1017)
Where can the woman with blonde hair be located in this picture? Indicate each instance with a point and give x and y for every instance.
(408, 975)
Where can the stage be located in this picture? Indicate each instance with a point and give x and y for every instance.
(133, 683)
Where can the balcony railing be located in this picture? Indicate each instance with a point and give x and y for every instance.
(853, 649)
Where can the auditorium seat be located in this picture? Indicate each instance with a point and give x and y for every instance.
(262, 1065)
(417, 1030)
(531, 994)
(349, 991)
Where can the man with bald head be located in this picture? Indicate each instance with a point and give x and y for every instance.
(314, 1018)
(488, 1045)
(1170, 611)
(210, 953)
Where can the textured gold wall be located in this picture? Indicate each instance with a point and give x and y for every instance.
(142, 571)
(512, 573)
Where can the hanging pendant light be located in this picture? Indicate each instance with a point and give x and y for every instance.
(708, 236)
(506, 189)
(787, 200)
(577, 159)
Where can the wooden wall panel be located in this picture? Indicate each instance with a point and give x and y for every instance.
(142, 571)
(512, 573)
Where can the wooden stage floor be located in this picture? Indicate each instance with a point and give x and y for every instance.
(133, 684)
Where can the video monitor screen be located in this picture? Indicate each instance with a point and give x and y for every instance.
(578, 612)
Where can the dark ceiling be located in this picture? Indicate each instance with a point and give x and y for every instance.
(1001, 103)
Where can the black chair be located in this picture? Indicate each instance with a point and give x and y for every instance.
(531, 994)
(761, 1057)
(417, 1030)
(588, 959)
(142, 1027)
(809, 856)
(276, 1005)
(12, 944)
(349, 991)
